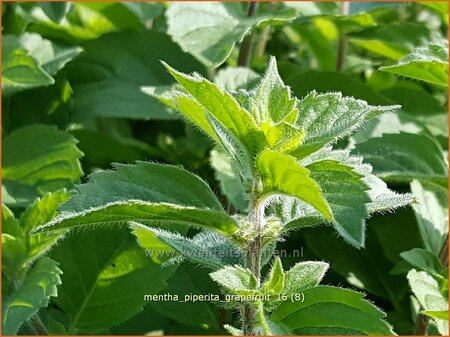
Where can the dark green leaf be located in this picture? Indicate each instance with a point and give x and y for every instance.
(394, 159)
(105, 277)
(108, 76)
(332, 311)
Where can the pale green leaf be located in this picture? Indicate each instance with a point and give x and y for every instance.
(233, 331)
(228, 177)
(395, 160)
(281, 174)
(326, 118)
(10, 225)
(222, 25)
(14, 254)
(20, 70)
(223, 107)
(295, 214)
(432, 215)
(50, 56)
(236, 78)
(422, 259)
(236, 151)
(429, 64)
(272, 100)
(105, 277)
(14, 250)
(39, 285)
(276, 278)
(426, 290)
(107, 78)
(41, 157)
(332, 311)
(40, 212)
(236, 279)
(304, 275)
(151, 214)
(442, 314)
(206, 248)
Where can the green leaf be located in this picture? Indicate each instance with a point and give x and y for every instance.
(426, 290)
(236, 280)
(105, 277)
(223, 107)
(107, 78)
(206, 248)
(151, 214)
(212, 38)
(236, 78)
(304, 82)
(40, 212)
(275, 280)
(395, 160)
(28, 61)
(367, 269)
(149, 182)
(50, 56)
(281, 174)
(332, 311)
(228, 177)
(14, 255)
(304, 275)
(272, 100)
(295, 214)
(429, 64)
(55, 10)
(432, 215)
(326, 118)
(346, 193)
(34, 293)
(10, 225)
(442, 314)
(41, 157)
(20, 70)
(422, 259)
(394, 40)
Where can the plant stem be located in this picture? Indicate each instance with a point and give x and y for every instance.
(260, 47)
(342, 44)
(256, 217)
(246, 45)
(422, 321)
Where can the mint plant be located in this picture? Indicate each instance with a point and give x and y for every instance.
(223, 192)
(280, 150)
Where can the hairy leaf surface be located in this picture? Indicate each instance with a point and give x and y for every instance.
(429, 64)
(281, 174)
(394, 159)
(328, 310)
